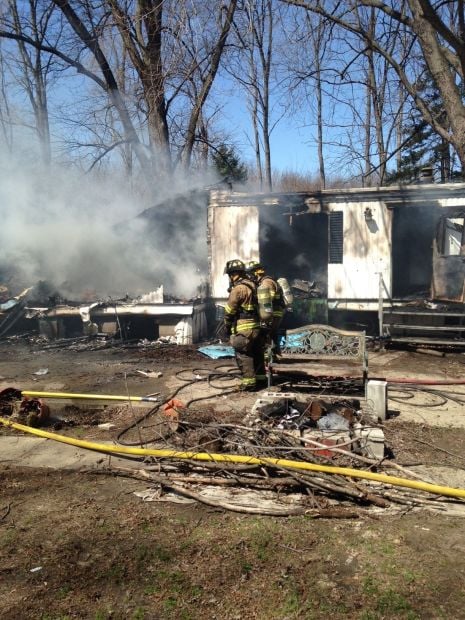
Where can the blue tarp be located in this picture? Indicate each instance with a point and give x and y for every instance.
(7, 305)
(293, 340)
(217, 351)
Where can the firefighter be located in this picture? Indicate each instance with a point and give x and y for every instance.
(271, 302)
(242, 324)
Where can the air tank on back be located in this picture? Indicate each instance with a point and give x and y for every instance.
(288, 297)
(265, 304)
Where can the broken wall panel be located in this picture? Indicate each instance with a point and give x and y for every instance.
(449, 256)
(448, 278)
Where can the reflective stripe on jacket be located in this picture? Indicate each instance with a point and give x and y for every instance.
(241, 311)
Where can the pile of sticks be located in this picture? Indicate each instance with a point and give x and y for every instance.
(320, 494)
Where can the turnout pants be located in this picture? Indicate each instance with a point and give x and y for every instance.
(274, 333)
(249, 347)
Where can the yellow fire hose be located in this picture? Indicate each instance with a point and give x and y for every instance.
(247, 460)
(133, 399)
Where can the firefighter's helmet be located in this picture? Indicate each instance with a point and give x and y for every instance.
(234, 266)
(253, 266)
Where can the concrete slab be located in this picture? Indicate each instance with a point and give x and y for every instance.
(38, 452)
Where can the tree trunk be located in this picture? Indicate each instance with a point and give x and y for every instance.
(377, 100)
(443, 77)
(207, 83)
(368, 174)
(256, 135)
(265, 57)
(90, 41)
(399, 131)
(266, 141)
(152, 77)
(317, 41)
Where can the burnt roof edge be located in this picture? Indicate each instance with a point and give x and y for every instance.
(393, 193)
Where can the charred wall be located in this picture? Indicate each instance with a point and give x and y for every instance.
(294, 246)
(412, 249)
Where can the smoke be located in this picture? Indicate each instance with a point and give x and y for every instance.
(92, 237)
(301, 260)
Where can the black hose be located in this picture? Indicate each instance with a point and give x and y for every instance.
(411, 391)
(232, 372)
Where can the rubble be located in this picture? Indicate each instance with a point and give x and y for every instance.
(33, 412)
(217, 444)
(153, 316)
(317, 422)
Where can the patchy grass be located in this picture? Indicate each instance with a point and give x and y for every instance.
(130, 559)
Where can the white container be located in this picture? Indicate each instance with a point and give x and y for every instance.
(376, 397)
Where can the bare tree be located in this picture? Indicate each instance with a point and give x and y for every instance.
(6, 123)
(254, 30)
(145, 36)
(33, 67)
(442, 47)
(138, 28)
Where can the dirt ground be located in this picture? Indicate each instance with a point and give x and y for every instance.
(78, 544)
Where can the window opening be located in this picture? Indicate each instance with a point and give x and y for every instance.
(452, 241)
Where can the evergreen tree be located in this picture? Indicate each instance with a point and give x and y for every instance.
(423, 147)
(227, 163)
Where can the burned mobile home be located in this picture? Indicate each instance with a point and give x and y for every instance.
(151, 317)
(387, 260)
(390, 260)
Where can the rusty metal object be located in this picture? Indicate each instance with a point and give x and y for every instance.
(316, 410)
(10, 399)
(34, 411)
(172, 411)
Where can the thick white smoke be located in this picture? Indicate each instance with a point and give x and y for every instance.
(83, 235)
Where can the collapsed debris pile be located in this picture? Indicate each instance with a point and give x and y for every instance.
(290, 454)
(164, 348)
(278, 433)
(154, 316)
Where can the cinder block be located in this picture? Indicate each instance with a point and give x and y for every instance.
(370, 441)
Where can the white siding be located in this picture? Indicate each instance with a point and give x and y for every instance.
(366, 252)
(233, 234)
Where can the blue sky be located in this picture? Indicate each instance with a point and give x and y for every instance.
(292, 145)
(293, 139)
